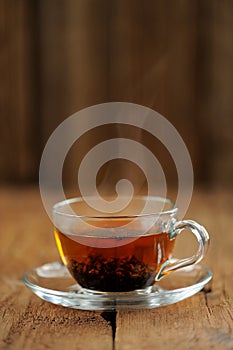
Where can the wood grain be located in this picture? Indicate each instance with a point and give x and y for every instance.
(19, 129)
(26, 321)
(58, 57)
(93, 53)
(204, 321)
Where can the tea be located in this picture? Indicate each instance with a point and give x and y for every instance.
(130, 266)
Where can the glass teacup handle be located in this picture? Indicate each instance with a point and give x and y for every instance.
(203, 242)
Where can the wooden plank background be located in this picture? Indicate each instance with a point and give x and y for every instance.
(60, 56)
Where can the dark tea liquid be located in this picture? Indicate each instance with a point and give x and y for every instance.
(130, 266)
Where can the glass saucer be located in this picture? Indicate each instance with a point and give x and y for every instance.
(52, 282)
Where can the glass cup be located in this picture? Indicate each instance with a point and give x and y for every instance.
(124, 252)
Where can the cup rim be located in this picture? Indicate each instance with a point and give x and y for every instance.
(173, 210)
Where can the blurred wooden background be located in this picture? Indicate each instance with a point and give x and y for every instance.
(59, 56)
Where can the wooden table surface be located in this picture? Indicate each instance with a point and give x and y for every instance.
(204, 321)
